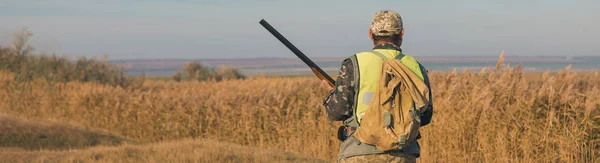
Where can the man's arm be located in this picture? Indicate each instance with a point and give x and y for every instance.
(338, 104)
(428, 113)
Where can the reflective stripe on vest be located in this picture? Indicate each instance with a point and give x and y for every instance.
(367, 71)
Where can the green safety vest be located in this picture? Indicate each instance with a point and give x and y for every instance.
(366, 75)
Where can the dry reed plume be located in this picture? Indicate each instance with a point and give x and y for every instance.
(479, 117)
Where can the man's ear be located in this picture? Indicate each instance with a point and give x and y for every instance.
(370, 34)
(402, 33)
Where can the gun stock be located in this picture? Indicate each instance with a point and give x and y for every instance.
(315, 69)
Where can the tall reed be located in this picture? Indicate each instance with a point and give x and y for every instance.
(490, 116)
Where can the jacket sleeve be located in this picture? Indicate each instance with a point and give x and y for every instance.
(428, 113)
(338, 103)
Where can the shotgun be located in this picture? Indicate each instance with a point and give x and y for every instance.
(315, 69)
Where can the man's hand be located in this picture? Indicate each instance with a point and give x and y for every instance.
(327, 84)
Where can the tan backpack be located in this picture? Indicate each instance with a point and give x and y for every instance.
(392, 120)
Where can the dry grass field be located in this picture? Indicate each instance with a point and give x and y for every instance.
(489, 116)
(59, 142)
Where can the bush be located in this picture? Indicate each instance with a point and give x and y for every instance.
(227, 73)
(176, 76)
(196, 71)
(25, 66)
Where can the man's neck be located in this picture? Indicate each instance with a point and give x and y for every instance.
(387, 46)
(383, 42)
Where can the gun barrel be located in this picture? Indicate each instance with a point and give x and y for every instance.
(316, 69)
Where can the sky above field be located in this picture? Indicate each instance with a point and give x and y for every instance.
(152, 29)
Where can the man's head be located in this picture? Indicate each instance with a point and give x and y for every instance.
(386, 27)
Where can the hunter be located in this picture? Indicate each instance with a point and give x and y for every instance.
(386, 32)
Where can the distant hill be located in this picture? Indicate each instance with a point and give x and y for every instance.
(294, 66)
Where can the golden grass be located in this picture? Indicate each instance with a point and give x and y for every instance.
(32, 141)
(188, 150)
(20, 133)
(500, 60)
(479, 117)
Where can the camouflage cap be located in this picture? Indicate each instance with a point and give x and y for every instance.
(386, 23)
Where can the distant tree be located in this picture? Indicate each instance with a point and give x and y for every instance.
(191, 69)
(20, 42)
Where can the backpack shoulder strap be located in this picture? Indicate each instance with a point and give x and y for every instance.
(383, 57)
(400, 56)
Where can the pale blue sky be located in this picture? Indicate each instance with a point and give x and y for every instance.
(189, 29)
